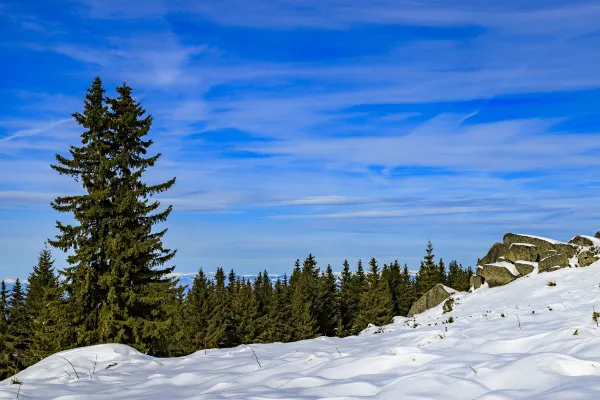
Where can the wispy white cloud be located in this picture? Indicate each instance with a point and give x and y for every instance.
(344, 172)
(520, 145)
(156, 60)
(36, 129)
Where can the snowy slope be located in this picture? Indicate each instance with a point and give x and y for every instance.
(481, 355)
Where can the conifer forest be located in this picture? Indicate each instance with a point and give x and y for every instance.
(117, 287)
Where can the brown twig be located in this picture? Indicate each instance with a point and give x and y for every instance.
(519, 322)
(95, 362)
(76, 374)
(260, 366)
(338, 351)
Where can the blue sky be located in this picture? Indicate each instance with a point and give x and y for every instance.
(348, 129)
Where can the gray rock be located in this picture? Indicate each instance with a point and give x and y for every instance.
(586, 258)
(498, 251)
(448, 305)
(553, 262)
(524, 268)
(476, 281)
(524, 252)
(495, 275)
(434, 297)
(581, 241)
(541, 244)
(570, 250)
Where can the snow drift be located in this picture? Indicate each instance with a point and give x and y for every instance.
(525, 340)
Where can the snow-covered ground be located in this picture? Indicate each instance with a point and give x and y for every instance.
(483, 354)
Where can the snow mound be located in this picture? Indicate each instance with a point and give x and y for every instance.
(520, 341)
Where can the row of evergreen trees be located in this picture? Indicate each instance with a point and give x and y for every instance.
(229, 311)
(116, 288)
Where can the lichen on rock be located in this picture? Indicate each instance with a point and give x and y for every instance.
(496, 275)
(587, 258)
(476, 281)
(524, 268)
(434, 297)
(497, 251)
(553, 262)
(523, 251)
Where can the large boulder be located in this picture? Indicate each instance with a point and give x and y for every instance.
(586, 258)
(523, 251)
(597, 235)
(584, 241)
(434, 297)
(476, 281)
(498, 274)
(553, 262)
(541, 243)
(524, 267)
(497, 251)
(569, 250)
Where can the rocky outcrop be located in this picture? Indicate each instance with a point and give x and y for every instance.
(542, 244)
(476, 281)
(434, 297)
(569, 250)
(553, 262)
(448, 305)
(584, 241)
(519, 255)
(524, 267)
(498, 250)
(586, 258)
(498, 274)
(523, 251)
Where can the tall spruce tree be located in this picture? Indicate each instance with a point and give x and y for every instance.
(197, 313)
(406, 292)
(42, 309)
(429, 272)
(221, 328)
(89, 165)
(5, 370)
(442, 276)
(175, 308)
(453, 275)
(115, 286)
(358, 286)
(328, 303)
(345, 319)
(304, 301)
(278, 329)
(375, 306)
(395, 286)
(245, 312)
(263, 291)
(41, 279)
(17, 338)
(138, 289)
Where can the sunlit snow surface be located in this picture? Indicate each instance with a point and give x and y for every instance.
(482, 355)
